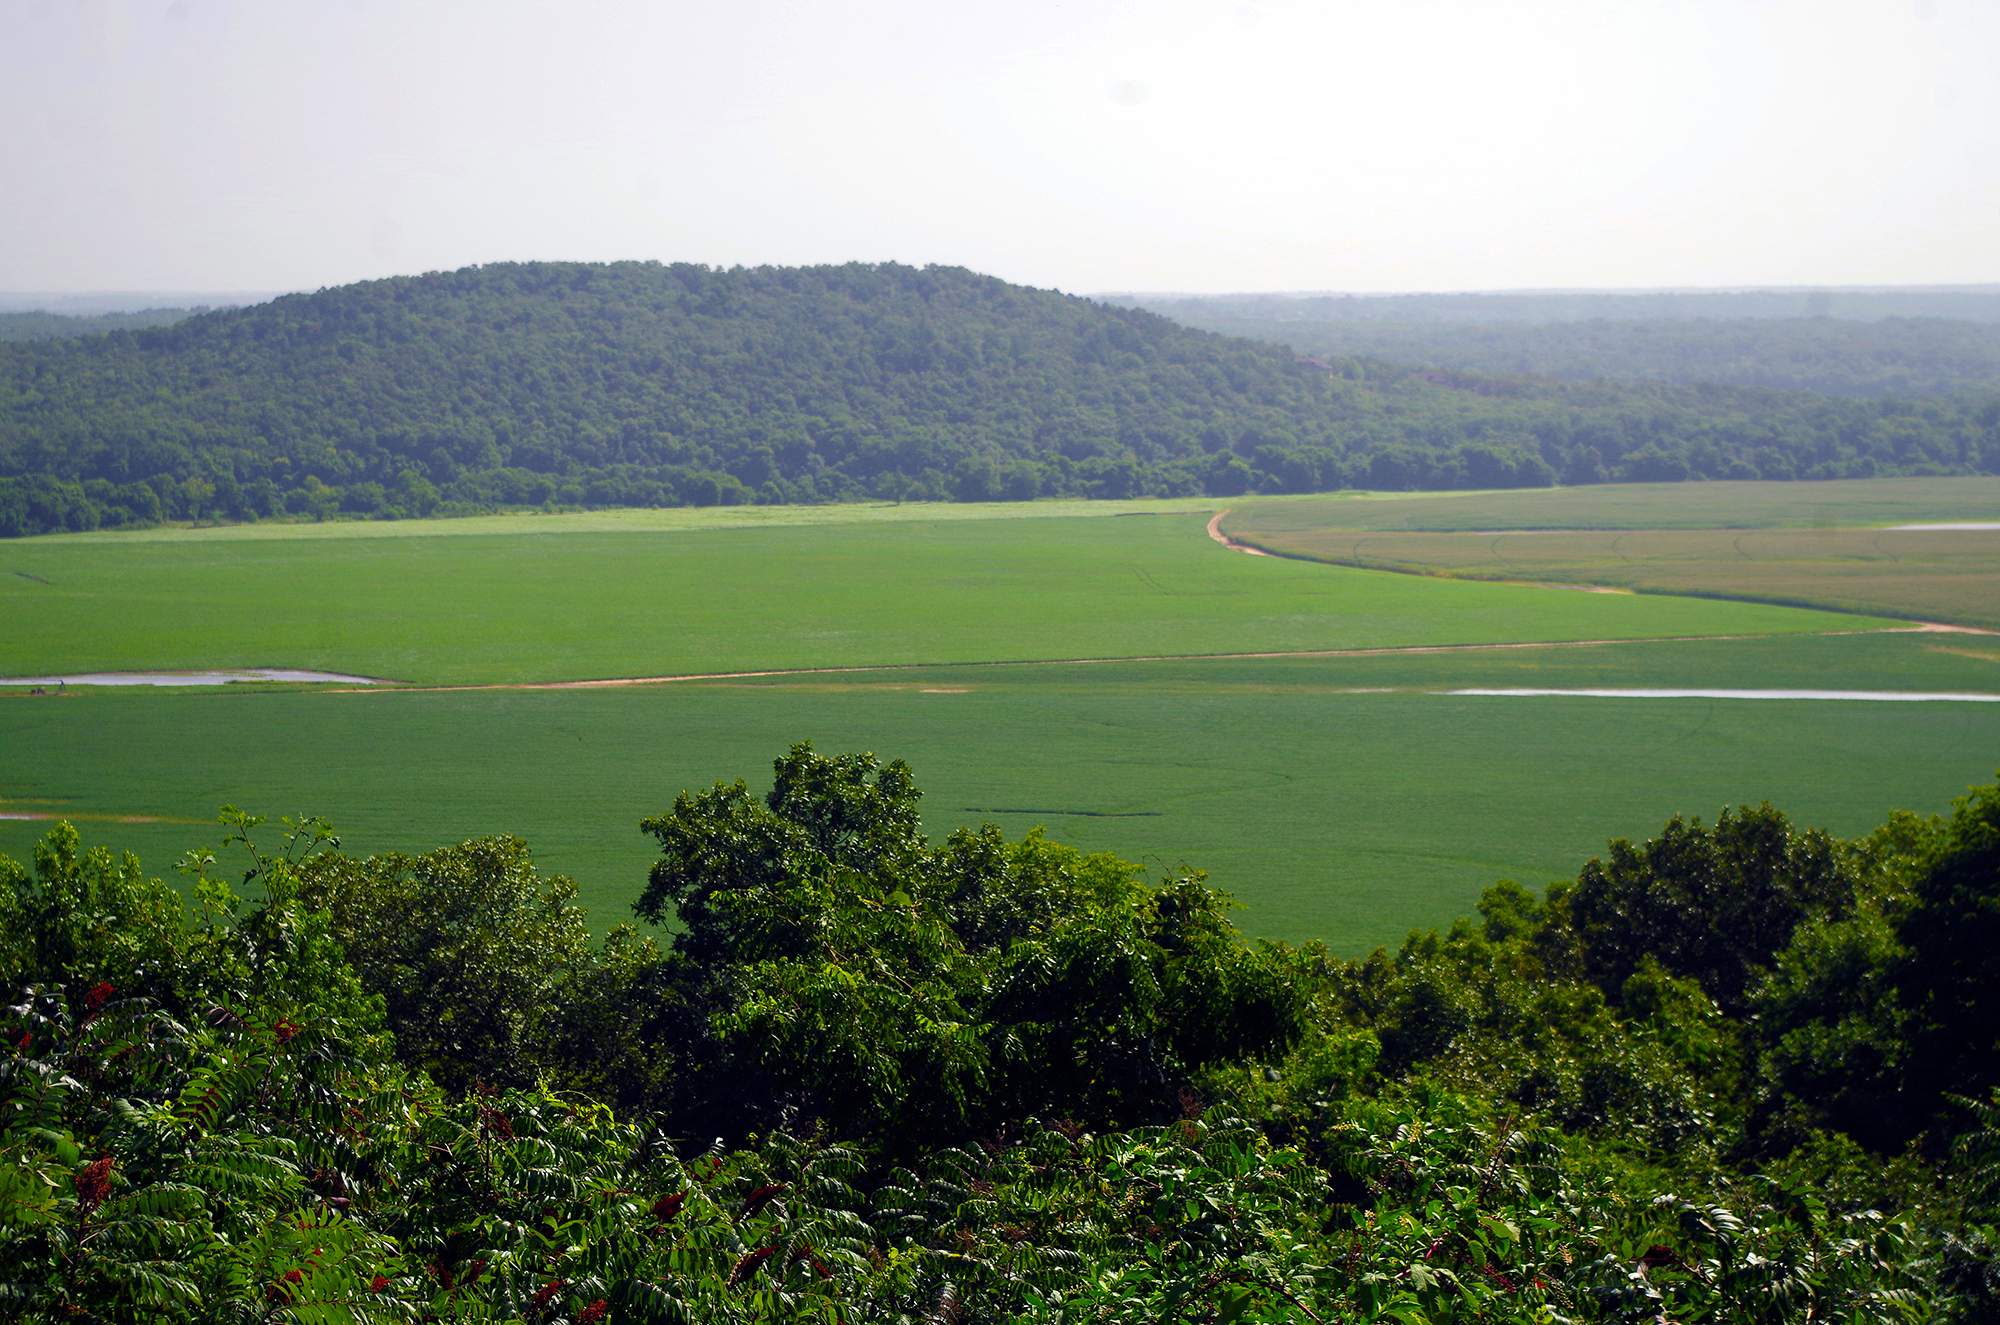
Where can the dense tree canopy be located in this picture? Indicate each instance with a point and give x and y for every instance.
(642, 384)
(872, 1078)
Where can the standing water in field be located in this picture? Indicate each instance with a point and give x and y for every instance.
(185, 678)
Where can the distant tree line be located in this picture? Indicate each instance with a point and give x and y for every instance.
(636, 384)
(1975, 303)
(62, 326)
(1740, 1072)
(1894, 357)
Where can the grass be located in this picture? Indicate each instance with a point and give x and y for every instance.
(476, 608)
(1926, 575)
(1332, 814)
(637, 520)
(1854, 502)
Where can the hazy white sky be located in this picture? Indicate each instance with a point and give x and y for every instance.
(1090, 145)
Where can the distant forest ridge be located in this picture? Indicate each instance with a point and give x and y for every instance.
(641, 384)
(1893, 357)
(1972, 303)
(63, 326)
(94, 302)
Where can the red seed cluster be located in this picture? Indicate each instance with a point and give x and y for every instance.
(93, 1184)
(758, 1199)
(495, 1123)
(749, 1265)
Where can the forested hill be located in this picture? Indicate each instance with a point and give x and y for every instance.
(643, 384)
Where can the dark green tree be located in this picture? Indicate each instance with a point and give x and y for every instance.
(1948, 980)
(467, 946)
(1714, 905)
(832, 964)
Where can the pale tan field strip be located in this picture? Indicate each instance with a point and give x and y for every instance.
(384, 685)
(1915, 629)
(40, 816)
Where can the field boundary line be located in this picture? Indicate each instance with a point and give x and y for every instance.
(391, 688)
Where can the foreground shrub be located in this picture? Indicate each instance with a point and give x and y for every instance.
(872, 1079)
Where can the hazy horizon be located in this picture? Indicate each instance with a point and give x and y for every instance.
(1276, 146)
(87, 303)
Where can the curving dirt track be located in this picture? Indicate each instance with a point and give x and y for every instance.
(1215, 532)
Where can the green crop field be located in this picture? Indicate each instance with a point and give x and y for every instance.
(655, 519)
(1927, 575)
(1856, 502)
(1339, 798)
(435, 607)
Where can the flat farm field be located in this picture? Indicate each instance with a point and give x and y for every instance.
(1846, 502)
(425, 603)
(1757, 546)
(1344, 799)
(1341, 794)
(1922, 575)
